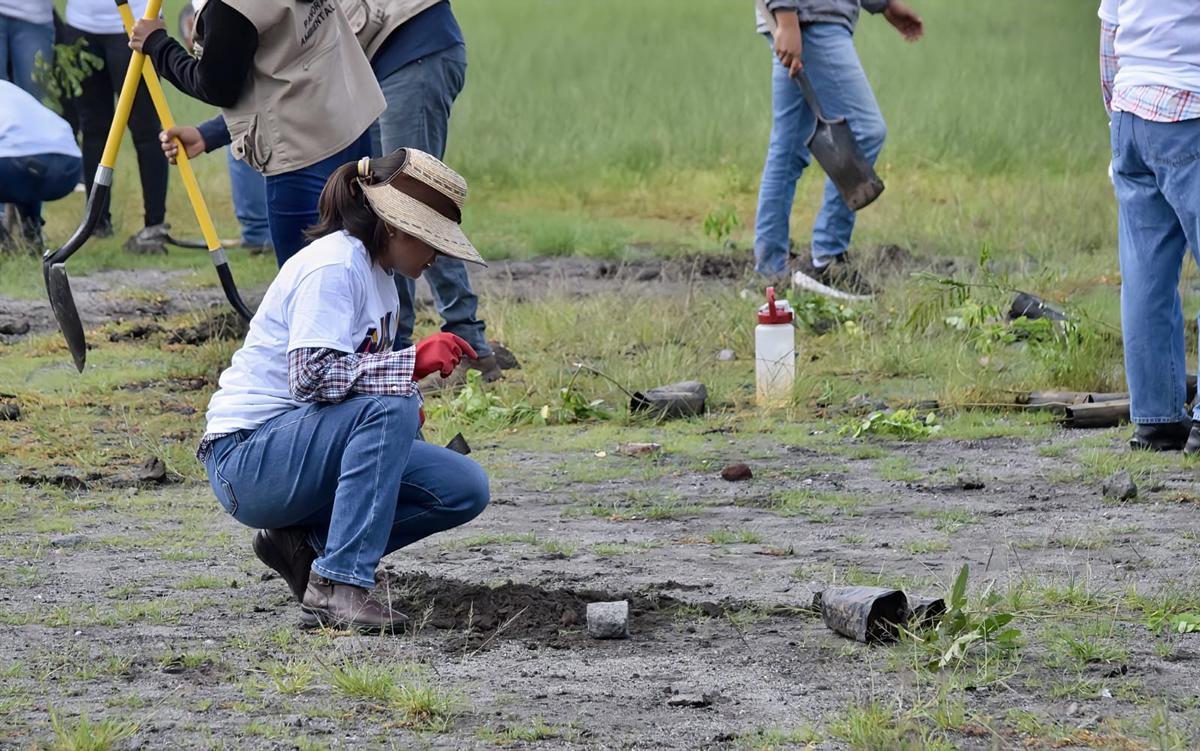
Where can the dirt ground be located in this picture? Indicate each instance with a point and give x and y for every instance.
(139, 601)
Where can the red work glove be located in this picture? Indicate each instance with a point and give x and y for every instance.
(440, 353)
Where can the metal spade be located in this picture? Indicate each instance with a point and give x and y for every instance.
(833, 145)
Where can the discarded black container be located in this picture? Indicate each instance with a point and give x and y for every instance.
(925, 612)
(687, 399)
(459, 444)
(863, 613)
(1025, 305)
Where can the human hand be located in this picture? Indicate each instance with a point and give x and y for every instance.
(789, 42)
(440, 353)
(143, 29)
(905, 20)
(190, 136)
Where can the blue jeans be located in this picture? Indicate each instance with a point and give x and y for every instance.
(249, 201)
(292, 197)
(20, 42)
(419, 98)
(843, 91)
(1156, 174)
(353, 474)
(26, 181)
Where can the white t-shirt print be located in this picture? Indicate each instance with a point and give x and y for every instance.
(329, 295)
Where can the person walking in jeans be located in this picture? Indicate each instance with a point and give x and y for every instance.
(296, 93)
(818, 36)
(312, 436)
(99, 24)
(26, 29)
(1150, 76)
(420, 59)
(39, 161)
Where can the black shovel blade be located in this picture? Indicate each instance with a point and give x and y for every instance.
(62, 302)
(837, 151)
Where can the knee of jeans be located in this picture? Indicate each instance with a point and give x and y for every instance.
(874, 132)
(474, 491)
(402, 412)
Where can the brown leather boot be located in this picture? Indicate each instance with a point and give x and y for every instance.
(287, 552)
(345, 606)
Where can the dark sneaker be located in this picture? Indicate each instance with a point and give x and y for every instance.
(345, 606)
(1167, 436)
(103, 227)
(488, 366)
(839, 279)
(149, 240)
(31, 234)
(288, 553)
(1192, 447)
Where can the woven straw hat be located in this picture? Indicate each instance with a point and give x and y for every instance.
(423, 198)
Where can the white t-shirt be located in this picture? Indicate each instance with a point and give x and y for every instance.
(32, 11)
(28, 128)
(100, 16)
(329, 295)
(1158, 43)
(1108, 11)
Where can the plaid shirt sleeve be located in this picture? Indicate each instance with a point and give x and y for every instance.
(326, 375)
(1108, 61)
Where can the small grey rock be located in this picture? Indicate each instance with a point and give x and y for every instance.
(67, 541)
(152, 470)
(10, 411)
(694, 701)
(608, 620)
(1073, 709)
(726, 355)
(969, 482)
(1120, 487)
(14, 328)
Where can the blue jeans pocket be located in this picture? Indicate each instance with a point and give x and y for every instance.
(226, 497)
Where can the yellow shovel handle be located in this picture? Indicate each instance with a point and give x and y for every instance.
(190, 184)
(133, 75)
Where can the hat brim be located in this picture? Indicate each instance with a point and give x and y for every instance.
(409, 215)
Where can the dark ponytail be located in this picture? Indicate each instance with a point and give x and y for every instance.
(343, 206)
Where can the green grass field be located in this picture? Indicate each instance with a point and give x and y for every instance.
(584, 130)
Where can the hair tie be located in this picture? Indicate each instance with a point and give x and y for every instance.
(364, 167)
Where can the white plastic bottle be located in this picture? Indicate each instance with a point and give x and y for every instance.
(774, 352)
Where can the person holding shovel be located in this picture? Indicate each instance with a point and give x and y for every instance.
(817, 35)
(419, 56)
(296, 93)
(312, 435)
(1150, 77)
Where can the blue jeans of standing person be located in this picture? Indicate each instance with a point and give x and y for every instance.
(1156, 174)
(27, 181)
(419, 97)
(843, 91)
(353, 474)
(292, 197)
(249, 202)
(20, 43)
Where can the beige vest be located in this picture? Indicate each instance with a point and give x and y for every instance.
(311, 92)
(373, 21)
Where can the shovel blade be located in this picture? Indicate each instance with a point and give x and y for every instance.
(62, 302)
(837, 151)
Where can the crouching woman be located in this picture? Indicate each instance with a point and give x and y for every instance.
(312, 435)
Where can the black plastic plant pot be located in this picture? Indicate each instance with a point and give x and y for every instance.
(925, 612)
(686, 399)
(865, 614)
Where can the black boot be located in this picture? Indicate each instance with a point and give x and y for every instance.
(1192, 447)
(1165, 436)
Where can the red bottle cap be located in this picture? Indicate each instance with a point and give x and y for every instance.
(775, 311)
